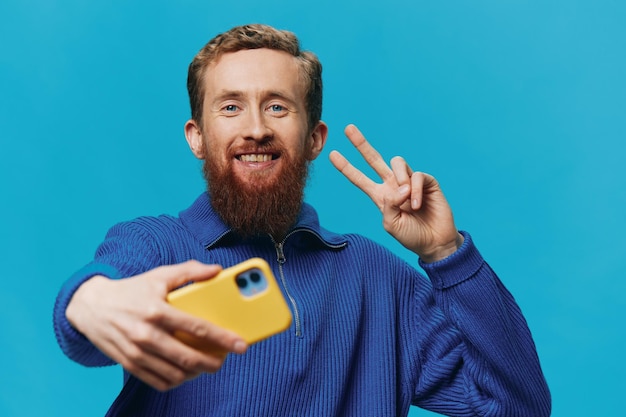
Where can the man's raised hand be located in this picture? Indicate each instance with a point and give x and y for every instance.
(414, 209)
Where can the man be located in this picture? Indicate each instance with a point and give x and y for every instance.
(370, 335)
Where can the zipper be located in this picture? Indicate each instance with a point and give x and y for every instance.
(281, 261)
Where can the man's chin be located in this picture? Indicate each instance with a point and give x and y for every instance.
(256, 184)
(259, 202)
(257, 180)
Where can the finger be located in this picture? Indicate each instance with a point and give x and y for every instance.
(156, 371)
(158, 351)
(148, 366)
(354, 175)
(371, 155)
(204, 332)
(401, 170)
(178, 361)
(155, 380)
(183, 273)
(395, 201)
(419, 180)
(153, 349)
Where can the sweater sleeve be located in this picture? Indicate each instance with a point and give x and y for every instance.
(489, 351)
(127, 250)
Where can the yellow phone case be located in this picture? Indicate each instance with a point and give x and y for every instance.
(220, 300)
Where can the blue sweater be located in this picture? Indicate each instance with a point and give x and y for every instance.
(370, 335)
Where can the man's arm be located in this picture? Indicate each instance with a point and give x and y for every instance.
(496, 343)
(130, 321)
(100, 321)
(493, 359)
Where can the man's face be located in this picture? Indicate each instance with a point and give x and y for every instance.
(255, 139)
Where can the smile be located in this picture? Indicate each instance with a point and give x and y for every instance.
(256, 157)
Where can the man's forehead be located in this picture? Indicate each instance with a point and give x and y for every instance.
(255, 69)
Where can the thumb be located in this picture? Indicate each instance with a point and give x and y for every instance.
(183, 273)
(393, 204)
(395, 200)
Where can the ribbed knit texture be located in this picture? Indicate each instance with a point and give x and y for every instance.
(375, 337)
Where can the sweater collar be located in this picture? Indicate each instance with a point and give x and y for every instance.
(207, 226)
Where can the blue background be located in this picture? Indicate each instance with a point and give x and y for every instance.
(517, 107)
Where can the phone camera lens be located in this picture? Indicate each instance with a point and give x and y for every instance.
(242, 282)
(255, 277)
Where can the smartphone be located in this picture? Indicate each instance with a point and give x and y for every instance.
(244, 298)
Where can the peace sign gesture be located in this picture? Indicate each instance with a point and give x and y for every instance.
(414, 209)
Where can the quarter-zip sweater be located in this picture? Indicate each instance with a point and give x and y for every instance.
(370, 334)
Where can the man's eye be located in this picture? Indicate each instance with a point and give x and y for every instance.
(277, 108)
(231, 108)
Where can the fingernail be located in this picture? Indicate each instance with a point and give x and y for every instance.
(404, 189)
(240, 346)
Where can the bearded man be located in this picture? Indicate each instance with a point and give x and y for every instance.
(370, 336)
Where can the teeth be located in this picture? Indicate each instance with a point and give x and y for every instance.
(263, 157)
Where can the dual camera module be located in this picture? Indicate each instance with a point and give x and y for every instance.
(251, 282)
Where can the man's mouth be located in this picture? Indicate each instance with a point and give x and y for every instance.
(257, 157)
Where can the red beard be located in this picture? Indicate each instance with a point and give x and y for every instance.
(260, 206)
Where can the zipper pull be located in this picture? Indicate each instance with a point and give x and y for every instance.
(281, 255)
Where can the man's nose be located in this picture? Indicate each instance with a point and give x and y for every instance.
(257, 128)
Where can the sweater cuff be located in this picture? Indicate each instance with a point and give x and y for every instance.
(456, 268)
(66, 334)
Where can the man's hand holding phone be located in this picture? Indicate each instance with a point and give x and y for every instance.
(244, 298)
(131, 321)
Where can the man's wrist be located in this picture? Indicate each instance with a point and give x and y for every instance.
(81, 297)
(442, 252)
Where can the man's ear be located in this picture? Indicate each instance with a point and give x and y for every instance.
(194, 138)
(318, 139)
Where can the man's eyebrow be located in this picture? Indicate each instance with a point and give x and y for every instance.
(237, 94)
(227, 94)
(281, 95)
